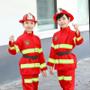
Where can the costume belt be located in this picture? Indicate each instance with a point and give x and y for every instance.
(63, 53)
(30, 57)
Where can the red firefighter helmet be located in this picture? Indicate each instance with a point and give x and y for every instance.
(62, 11)
(28, 17)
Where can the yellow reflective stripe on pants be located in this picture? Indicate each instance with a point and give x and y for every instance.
(25, 51)
(66, 78)
(34, 65)
(43, 65)
(15, 47)
(61, 61)
(61, 78)
(31, 80)
(65, 46)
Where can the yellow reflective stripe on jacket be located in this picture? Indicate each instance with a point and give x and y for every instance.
(12, 48)
(34, 65)
(61, 61)
(15, 47)
(66, 46)
(61, 78)
(79, 38)
(31, 80)
(74, 40)
(66, 78)
(43, 65)
(66, 61)
(51, 60)
(25, 51)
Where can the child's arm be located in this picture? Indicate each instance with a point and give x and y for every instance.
(13, 46)
(42, 60)
(51, 61)
(78, 39)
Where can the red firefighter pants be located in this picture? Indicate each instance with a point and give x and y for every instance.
(66, 79)
(30, 82)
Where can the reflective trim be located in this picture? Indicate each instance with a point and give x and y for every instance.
(15, 47)
(66, 61)
(66, 78)
(25, 51)
(51, 60)
(34, 65)
(35, 79)
(61, 78)
(12, 48)
(79, 38)
(43, 65)
(66, 46)
(31, 80)
(61, 61)
(27, 80)
(74, 40)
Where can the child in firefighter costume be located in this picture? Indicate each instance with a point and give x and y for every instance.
(32, 60)
(61, 56)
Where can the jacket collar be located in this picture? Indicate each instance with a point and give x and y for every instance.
(66, 29)
(28, 33)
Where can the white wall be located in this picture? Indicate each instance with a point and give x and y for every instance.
(77, 8)
(11, 11)
(72, 7)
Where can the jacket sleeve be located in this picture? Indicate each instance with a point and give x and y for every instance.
(41, 58)
(78, 39)
(51, 60)
(14, 47)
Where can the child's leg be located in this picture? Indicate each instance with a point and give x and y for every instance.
(30, 82)
(67, 79)
(35, 81)
(60, 78)
(27, 83)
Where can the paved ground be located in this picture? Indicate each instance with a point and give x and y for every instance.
(82, 79)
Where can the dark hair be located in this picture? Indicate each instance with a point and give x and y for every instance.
(61, 15)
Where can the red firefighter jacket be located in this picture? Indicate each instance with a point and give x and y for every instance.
(28, 44)
(62, 41)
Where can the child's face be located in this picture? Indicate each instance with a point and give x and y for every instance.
(63, 21)
(29, 25)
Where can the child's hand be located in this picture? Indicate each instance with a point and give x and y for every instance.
(51, 70)
(11, 38)
(44, 73)
(76, 28)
